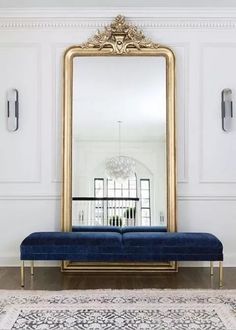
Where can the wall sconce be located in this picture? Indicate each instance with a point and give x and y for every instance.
(162, 218)
(226, 109)
(12, 110)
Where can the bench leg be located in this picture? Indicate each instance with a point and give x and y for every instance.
(212, 268)
(221, 273)
(32, 268)
(22, 274)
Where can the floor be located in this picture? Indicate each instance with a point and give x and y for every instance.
(51, 278)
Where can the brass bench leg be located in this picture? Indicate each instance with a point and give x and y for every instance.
(212, 268)
(221, 273)
(22, 274)
(32, 268)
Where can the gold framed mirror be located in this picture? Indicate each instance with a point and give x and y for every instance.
(119, 96)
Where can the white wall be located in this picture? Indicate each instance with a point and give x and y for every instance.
(31, 48)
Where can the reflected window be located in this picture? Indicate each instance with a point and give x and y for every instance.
(127, 188)
(117, 209)
(121, 211)
(145, 202)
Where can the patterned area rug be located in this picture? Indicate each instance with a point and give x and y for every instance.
(119, 309)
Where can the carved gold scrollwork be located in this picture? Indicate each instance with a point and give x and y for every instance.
(120, 37)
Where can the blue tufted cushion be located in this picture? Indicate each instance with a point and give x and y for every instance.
(173, 246)
(61, 245)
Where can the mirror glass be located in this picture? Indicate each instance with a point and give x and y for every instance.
(119, 175)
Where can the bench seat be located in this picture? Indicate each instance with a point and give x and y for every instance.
(121, 246)
(114, 244)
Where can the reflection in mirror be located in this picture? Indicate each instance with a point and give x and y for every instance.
(119, 141)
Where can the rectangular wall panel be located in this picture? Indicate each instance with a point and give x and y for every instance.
(20, 150)
(181, 54)
(217, 148)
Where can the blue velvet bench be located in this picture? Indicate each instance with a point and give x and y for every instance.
(115, 244)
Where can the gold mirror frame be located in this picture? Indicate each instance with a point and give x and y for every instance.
(118, 39)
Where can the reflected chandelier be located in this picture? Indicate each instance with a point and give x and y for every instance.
(120, 167)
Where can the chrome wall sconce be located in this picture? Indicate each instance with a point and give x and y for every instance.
(12, 110)
(226, 109)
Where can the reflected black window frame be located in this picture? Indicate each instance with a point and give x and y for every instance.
(149, 199)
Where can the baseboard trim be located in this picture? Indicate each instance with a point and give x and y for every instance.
(230, 261)
(15, 262)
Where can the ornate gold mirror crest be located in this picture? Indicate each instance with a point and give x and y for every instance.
(121, 39)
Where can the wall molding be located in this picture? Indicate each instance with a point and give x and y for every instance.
(28, 197)
(56, 197)
(186, 115)
(185, 104)
(206, 198)
(57, 110)
(94, 20)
